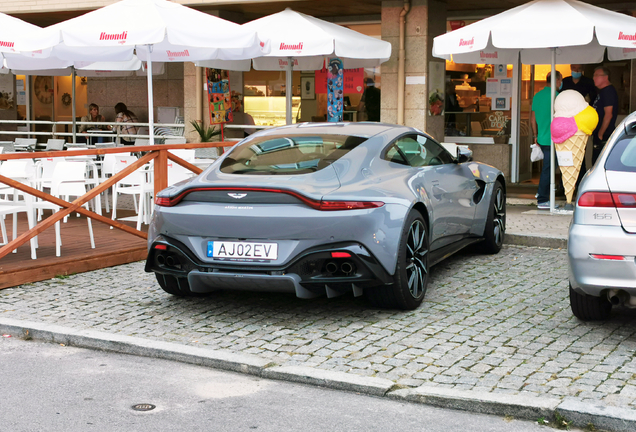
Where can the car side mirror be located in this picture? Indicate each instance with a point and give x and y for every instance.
(464, 154)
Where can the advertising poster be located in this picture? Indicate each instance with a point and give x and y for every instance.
(353, 80)
(492, 87)
(219, 96)
(505, 88)
(335, 90)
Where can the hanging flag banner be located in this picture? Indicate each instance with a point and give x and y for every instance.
(219, 96)
(335, 90)
(353, 80)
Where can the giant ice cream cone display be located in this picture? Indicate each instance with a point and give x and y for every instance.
(574, 121)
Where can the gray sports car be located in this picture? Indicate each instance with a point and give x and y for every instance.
(326, 208)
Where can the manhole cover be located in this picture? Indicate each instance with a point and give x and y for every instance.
(143, 407)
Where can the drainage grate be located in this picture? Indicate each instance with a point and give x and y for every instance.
(143, 407)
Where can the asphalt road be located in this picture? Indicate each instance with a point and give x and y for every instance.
(48, 387)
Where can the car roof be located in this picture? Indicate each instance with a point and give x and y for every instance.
(362, 129)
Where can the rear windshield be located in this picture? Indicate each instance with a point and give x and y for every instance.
(623, 154)
(298, 154)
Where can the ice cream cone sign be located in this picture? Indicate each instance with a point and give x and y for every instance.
(574, 121)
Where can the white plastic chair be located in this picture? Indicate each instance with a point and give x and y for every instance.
(24, 144)
(13, 208)
(55, 144)
(136, 183)
(185, 154)
(14, 202)
(44, 175)
(177, 173)
(7, 146)
(68, 181)
(181, 140)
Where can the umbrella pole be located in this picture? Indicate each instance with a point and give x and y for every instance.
(552, 154)
(151, 117)
(28, 102)
(73, 75)
(289, 74)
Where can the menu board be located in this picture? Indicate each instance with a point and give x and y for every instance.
(219, 97)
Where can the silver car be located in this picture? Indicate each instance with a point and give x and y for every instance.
(602, 237)
(326, 209)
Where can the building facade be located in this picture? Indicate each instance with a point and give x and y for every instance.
(413, 83)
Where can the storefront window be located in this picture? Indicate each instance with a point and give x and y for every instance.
(478, 100)
(264, 96)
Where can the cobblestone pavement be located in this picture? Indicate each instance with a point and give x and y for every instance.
(497, 323)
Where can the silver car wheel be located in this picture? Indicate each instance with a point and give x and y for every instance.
(499, 220)
(416, 253)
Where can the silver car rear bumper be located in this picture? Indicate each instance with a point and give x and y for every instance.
(593, 276)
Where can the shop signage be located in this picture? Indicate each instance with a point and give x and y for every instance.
(353, 81)
(455, 24)
(497, 120)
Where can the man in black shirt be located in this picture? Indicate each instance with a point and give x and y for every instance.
(584, 85)
(606, 106)
(580, 83)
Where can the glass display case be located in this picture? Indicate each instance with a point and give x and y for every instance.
(270, 110)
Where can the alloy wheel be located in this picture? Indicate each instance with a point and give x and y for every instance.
(416, 258)
(499, 219)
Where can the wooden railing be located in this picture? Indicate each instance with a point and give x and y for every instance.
(158, 153)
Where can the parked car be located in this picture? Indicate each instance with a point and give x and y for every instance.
(602, 236)
(326, 208)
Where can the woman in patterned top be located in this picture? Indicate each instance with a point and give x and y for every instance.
(126, 116)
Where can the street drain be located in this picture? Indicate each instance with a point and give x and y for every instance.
(143, 407)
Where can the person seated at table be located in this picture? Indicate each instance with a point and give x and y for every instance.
(124, 115)
(93, 116)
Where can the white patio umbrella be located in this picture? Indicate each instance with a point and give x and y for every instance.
(542, 32)
(25, 64)
(302, 42)
(153, 29)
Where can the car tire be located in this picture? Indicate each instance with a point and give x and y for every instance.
(496, 222)
(173, 285)
(411, 274)
(589, 308)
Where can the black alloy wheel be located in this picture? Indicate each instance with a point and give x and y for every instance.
(496, 223)
(411, 274)
(416, 259)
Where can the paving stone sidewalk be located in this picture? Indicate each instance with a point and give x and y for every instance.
(498, 324)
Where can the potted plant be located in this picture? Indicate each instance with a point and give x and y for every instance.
(206, 133)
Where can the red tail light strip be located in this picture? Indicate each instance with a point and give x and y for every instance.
(608, 257)
(608, 199)
(315, 204)
(340, 255)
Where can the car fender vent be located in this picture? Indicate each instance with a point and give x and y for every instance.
(479, 193)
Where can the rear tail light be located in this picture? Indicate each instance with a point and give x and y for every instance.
(164, 202)
(607, 199)
(608, 257)
(347, 205)
(315, 204)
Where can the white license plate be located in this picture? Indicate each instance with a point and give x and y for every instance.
(242, 250)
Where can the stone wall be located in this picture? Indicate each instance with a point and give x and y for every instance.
(168, 91)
